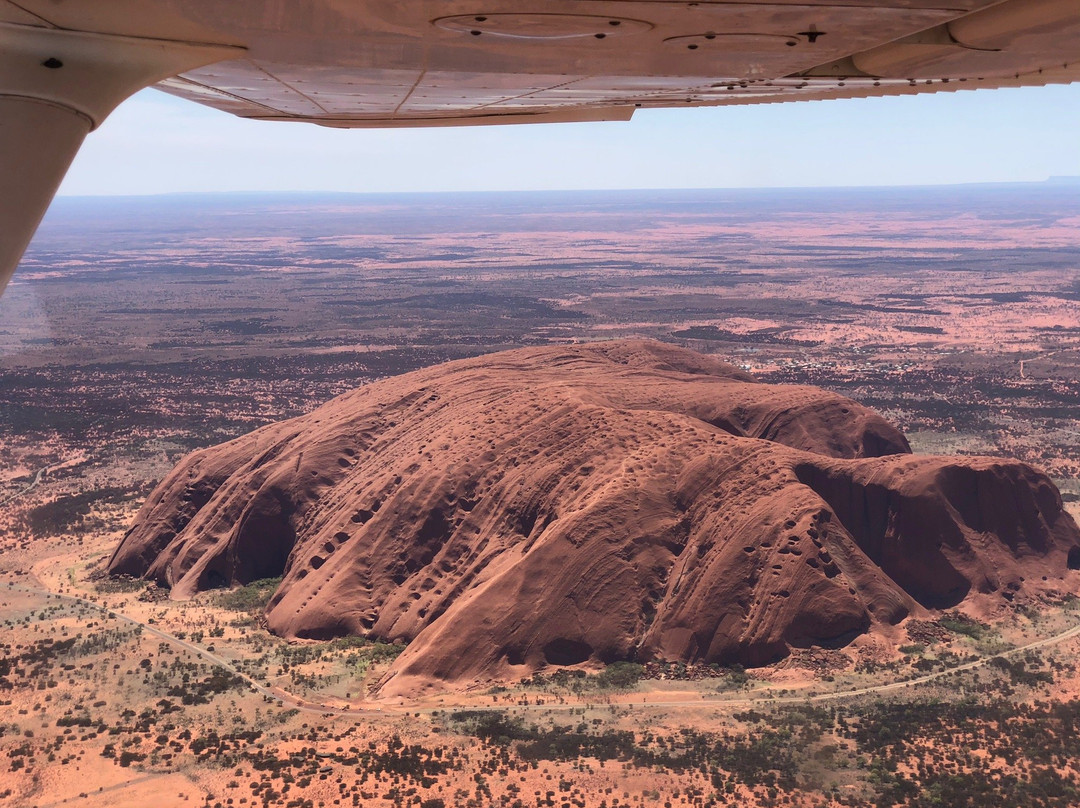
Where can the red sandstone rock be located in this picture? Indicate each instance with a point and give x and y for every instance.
(563, 505)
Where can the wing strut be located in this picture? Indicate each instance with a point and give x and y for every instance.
(55, 87)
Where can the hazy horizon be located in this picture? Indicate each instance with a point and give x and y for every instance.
(1051, 181)
(155, 143)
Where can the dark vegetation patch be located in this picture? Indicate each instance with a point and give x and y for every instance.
(762, 337)
(113, 584)
(200, 691)
(70, 511)
(1020, 671)
(913, 753)
(959, 623)
(250, 597)
(921, 329)
(760, 758)
(248, 327)
(616, 676)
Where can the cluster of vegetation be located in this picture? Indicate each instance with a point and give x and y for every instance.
(1020, 673)
(734, 678)
(915, 754)
(941, 660)
(70, 511)
(616, 676)
(936, 739)
(619, 676)
(962, 624)
(119, 583)
(357, 653)
(391, 770)
(251, 597)
(33, 662)
(201, 691)
(363, 653)
(766, 757)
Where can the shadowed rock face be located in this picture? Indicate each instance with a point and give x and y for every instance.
(556, 506)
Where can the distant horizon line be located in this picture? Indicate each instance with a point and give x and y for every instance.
(1061, 180)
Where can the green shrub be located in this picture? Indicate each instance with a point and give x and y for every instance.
(620, 675)
(250, 597)
(959, 624)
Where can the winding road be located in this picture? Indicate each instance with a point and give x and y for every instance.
(28, 488)
(295, 702)
(275, 693)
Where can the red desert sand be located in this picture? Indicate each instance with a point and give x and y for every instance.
(584, 504)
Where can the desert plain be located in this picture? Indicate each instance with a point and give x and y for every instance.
(138, 330)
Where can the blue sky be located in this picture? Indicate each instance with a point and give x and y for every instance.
(158, 144)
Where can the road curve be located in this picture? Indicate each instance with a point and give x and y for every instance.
(295, 702)
(34, 482)
(275, 693)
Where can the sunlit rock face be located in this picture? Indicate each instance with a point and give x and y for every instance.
(591, 503)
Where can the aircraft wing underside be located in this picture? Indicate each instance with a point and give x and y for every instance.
(391, 63)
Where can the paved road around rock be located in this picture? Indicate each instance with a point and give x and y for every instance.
(28, 488)
(292, 701)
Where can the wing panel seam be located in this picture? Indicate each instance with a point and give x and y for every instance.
(286, 84)
(531, 92)
(409, 94)
(33, 14)
(227, 94)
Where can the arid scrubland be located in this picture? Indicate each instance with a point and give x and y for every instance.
(136, 333)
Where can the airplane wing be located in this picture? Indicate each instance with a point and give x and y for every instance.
(443, 62)
(64, 64)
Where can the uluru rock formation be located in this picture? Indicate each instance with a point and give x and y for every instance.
(592, 503)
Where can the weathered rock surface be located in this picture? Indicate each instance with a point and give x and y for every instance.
(562, 505)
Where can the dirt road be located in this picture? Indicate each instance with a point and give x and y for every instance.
(295, 702)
